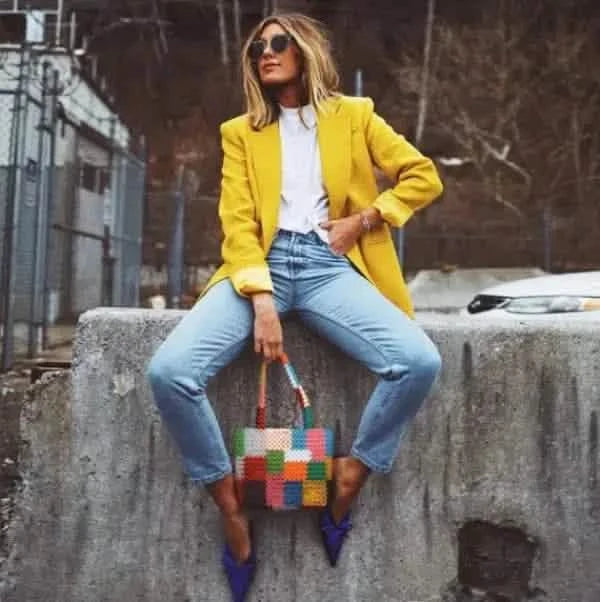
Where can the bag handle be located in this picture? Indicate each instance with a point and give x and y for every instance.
(303, 401)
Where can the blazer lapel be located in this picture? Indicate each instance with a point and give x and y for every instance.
(334, 135)
(266, 159)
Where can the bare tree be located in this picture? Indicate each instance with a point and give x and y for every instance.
(223, 33)
(237, 24)
(522, 113)
(423, 93)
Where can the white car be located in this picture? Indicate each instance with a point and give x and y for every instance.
(575, 293)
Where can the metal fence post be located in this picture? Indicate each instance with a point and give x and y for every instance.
(49, 204)
(112, 225)
(175, 259)
(34, 339)
(18, 133)
(547, 237)
(108, 262)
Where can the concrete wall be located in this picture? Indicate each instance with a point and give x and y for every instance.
(496, 489)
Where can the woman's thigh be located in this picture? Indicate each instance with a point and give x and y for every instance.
(349, 311)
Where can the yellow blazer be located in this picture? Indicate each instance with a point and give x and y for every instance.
(352, 139)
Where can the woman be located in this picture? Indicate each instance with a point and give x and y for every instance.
(303, 226)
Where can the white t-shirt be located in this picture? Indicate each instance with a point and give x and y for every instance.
(304, 202)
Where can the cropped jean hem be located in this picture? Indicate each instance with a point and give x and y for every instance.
(369, 464)
(211, 478)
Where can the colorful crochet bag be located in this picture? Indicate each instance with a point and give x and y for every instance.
(283, 468)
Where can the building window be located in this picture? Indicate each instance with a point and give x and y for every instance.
(104, 180)
(89, 177)
(12, 28)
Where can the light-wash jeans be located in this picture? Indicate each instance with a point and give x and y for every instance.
(331, 298)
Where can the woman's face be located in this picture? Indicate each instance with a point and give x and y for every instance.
(277, 68)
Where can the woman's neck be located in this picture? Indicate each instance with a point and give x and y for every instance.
(290, 95)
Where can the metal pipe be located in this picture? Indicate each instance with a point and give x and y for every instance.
(358, 82)
(176, 244)
(58, 23)
(547, 237)
(36, 275)
(49, 202)
(72, 30)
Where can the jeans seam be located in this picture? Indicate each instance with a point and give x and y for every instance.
(357, 334)
(216, 357)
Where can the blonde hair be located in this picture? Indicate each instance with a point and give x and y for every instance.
(319, 74)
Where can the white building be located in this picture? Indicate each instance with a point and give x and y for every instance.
(67, 180)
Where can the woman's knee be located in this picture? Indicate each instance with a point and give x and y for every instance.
(160, 372)
(427, 364)
(423, 364)
(166, 371)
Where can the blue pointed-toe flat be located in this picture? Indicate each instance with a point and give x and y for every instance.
(333, 534)
(239, 575)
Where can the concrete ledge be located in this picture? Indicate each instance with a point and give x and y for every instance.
(509, 438)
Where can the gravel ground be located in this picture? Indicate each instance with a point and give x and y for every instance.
(12, 390)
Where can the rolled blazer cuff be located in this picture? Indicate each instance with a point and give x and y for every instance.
(392, 209)
(252, 279)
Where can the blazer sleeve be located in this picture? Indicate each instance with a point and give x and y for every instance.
(241, 248)
(416, 179)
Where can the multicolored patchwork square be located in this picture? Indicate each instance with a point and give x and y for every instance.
(283, 468)
(314, 493)
(278, 439)
(255, 468)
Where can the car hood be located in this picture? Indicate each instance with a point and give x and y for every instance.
(580, 284)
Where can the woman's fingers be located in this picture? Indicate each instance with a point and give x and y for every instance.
(327, 225)
(272, 350)
(268, 335)
(277, 350)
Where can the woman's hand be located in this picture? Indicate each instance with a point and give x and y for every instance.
(343, 232)
(268, 335)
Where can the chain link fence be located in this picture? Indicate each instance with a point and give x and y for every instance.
(71, 208)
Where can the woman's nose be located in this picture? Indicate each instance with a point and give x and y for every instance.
(267, 52)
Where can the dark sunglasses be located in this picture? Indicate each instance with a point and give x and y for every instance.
(279, 42)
